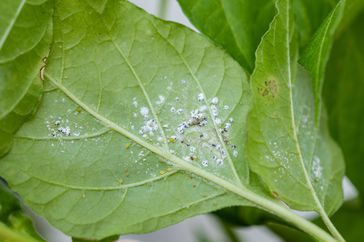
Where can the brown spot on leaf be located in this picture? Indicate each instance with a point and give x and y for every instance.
(270, 88)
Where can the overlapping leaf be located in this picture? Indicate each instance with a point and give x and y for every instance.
(300, 164)
(316, 54)
(236, 25)
(14, 224)
(25, 35)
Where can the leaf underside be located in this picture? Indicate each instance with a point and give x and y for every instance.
(25, 32)
(299, 163)
(144, 122)
(89, 154)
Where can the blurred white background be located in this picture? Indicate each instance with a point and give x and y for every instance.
(187, 230)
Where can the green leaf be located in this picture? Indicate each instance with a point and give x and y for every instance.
(309, 16)
(91, 172)
(15, 226)
(143, 131)
(97, 5)
(235, 24)
(352, 10)
(316, 54)
(343, 93)
(25, 35)
(300, 164)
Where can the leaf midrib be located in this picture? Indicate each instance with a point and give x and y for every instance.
(320, 208)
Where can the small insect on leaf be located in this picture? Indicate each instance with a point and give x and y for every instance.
(42, 69)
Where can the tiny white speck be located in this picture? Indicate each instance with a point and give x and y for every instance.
(144, 111)
(205, 163)
(179, 111)
(219, 162)
(76, 133)
(235, 153)
(135, 102)
(214, 111)
(203, 108)
(200, 97)
(160, 100)
(226, 107)
(215, 100)
(173, 109)
(187, 158)
(160, 139)
(183, 81)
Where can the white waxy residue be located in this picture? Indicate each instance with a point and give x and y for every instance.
(135, 102)
(214, 111)
(215, 100)
(161, 100)
(200, 97)
(144, 111)
(149, 127)
(316, 167)
(235, 153)
(205, 163)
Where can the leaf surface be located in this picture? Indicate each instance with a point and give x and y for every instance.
(25, 36)
(128, 136)
(236, 25)
(300, 164)
(316, 54)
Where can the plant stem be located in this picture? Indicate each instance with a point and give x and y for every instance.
(163, 6)
(8, 234)
(331, 227)
(229, 232)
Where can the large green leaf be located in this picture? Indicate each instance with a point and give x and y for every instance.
(343, 93)
(107, 152)
(237, 25)
(15, 226)
(25, 35)
(300, 164)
